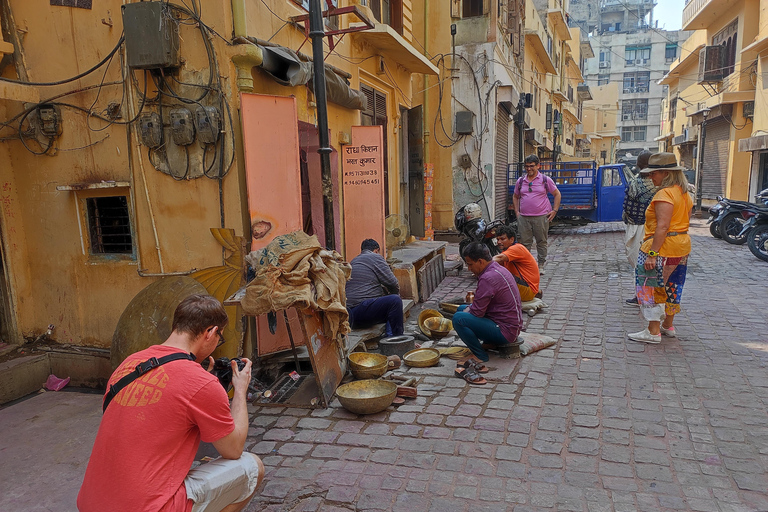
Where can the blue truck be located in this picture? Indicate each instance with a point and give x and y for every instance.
(588, 191)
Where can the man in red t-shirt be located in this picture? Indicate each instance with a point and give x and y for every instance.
(151, 430)
(520, 263)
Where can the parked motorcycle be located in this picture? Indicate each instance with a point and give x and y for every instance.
(731, 216)
(755, 231)
(473, 227)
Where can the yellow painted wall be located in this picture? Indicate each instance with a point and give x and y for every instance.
(52, 280)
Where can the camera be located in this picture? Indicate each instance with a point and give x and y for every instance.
(222, 370)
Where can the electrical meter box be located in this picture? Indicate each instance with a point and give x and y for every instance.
(208, 124)
(182, 127)
(464, 122)
(151, 35)
(151, 129)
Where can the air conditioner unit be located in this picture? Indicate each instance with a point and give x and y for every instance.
(605, 65)
(626, 117)
(638, 61)
(711, 60)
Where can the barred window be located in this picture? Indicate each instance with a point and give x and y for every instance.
(109, 225)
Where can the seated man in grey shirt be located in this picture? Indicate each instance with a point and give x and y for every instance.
(373, 291)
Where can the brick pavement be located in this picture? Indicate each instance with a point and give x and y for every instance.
(598, 423)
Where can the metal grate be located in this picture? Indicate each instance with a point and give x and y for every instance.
(283, 389)
(109, 225)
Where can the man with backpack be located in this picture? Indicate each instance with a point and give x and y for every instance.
(532, 207)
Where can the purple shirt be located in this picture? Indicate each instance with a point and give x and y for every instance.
(498, 299)
(534, 202)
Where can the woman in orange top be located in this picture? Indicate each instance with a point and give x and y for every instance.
(663, 258)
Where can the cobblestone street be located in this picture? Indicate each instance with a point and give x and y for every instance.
(599, 423)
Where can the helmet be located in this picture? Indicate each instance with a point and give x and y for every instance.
(466, 213)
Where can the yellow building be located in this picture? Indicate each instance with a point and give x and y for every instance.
(106, 186)
(712, 93)
(757, 143)
(600, 135)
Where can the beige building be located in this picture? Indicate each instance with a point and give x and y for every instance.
(711, 100)
(600, 137)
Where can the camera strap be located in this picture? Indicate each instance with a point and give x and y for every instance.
(141, 369)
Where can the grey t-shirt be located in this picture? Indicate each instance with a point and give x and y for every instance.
(371, 277)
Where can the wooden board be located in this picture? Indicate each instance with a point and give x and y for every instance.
(325, 354)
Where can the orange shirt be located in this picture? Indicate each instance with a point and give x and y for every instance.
(522, 264)
(674, 246)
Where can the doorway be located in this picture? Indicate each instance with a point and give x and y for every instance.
(415, 150)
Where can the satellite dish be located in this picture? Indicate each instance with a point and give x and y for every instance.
(397, 234)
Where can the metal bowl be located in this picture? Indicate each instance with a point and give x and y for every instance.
(366, 360)
(439, 327)
(367, 396)
(422, 357)
(370, 373)
(427, 313)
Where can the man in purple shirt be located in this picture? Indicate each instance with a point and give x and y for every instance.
(534, 213)
(495, 315)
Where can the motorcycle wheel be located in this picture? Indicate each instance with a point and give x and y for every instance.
(757, 241)
(462, 245)
(714, 229)
(731, 226)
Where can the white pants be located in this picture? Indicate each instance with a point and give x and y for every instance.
(221, 482)
(633, 239)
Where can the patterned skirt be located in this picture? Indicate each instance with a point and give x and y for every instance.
(663, 285)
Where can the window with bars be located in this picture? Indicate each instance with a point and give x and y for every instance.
(634, 109)
(636, 55)
(472, 8)
(109, 225)
(637, 82)
(633, 134)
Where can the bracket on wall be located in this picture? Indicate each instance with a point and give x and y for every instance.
(336, 11)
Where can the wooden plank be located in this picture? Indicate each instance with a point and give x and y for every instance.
(326, 355)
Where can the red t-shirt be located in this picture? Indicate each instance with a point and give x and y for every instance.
(522, 264)
(149, 435)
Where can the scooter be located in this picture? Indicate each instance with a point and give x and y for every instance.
(731, 217)
(755, 231)
(473, 227)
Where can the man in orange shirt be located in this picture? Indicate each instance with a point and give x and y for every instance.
(520, 263)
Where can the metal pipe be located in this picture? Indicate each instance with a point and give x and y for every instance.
(239, 25)
(317, 34)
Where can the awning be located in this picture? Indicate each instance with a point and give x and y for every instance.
(569, 114)
(757, 143)
(664, 137)
(557, 18)
(390, 43)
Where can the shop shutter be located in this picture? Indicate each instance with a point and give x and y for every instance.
(715, 168)
(502, 159)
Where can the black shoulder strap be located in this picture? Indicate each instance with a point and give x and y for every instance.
(141, 369)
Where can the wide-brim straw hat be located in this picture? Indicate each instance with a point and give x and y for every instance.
(661, 162)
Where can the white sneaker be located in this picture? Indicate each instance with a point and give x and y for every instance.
(645, 336)
(541, 271)
(670, 333)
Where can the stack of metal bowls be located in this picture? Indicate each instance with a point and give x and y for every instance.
(366, 365)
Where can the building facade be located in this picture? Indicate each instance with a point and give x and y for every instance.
(632, 52)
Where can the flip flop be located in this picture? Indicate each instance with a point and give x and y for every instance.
(471, 363)
(471, 376)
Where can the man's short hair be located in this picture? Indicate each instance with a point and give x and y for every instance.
(532, 159)
(642, 159)
(369, 244)
(477, 251)
(507, 231)
(197, 313)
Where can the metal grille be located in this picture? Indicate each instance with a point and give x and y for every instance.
(430, 276)
(501, 189)
(109, 225)
(715, 168)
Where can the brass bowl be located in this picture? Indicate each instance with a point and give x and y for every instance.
(439, 327)
(366, 360)
(450, 307)
(427, 313)
(373, 372)
(422, 357)
(366, 396)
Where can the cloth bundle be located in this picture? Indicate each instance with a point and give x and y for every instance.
(294, 270)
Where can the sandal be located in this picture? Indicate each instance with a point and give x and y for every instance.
(470, 375)
(478, 367)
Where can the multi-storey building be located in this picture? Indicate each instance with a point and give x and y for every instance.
(630, 51)
(469, 111)
(599, 138)
(711, 101)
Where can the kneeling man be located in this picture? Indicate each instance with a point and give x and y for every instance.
(520, 263)
(495, 315)
(373, 293)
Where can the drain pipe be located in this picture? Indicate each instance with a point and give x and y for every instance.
(426, 94)
(239, 25)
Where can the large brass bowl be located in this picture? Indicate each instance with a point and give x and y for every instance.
(366, 396)
(438, 327)
(422, 357)
(366, 360)
(427, 313)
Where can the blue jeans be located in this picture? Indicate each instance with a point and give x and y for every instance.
(387, 309)
(474, 330)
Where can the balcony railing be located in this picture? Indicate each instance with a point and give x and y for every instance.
(692, 7)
